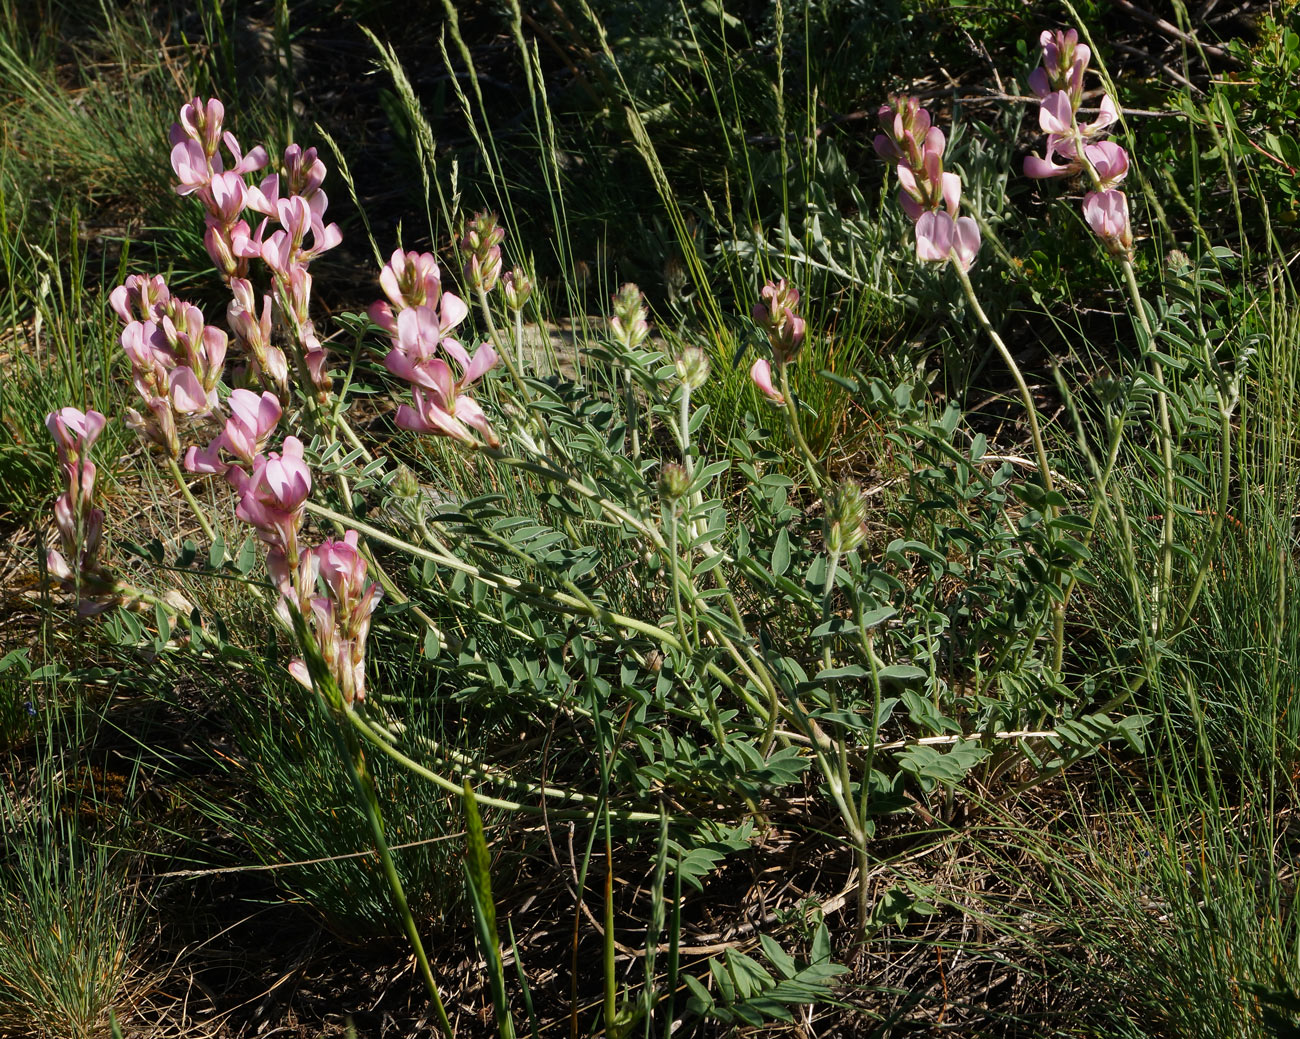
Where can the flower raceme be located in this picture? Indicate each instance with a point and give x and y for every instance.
(1058, 83)
(292, 197)
(176, 359)
(411, 279)
(929, 196)
(341, 619)
(775, 313)
(441, 404)
(419, 335)
(79, 523)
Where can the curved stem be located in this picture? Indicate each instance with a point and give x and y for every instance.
(191, 500)
(1164, 588)
(792, 417)
(1031, 413)
(369, 798)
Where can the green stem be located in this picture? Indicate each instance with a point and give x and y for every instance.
(502, 351)
(1165, 586)
(190, 499)
(365, 786)
(792, 417)
(443, 783)
(1031, 413)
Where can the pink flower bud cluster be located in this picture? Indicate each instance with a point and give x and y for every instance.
(775, 314)
(481, 247)
(928, 195)
(79, 523)
(517, 288)
(420, 331)
(341, 617)
(176, 359)
(1074, 147)
(294, 199)
(629, 326)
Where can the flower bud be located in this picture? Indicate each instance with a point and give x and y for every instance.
(405, 485)
(846, 513)
(673, 481)
(692, 367)
(482, 248)
(516, 287)
(628, 325)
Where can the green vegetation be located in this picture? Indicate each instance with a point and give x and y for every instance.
(667, 692)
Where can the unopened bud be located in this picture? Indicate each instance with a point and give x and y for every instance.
(516, 287)
(628, 325)
(846, 513)
(482, 248)
(404, 484)
(692, 367)
(674, 481)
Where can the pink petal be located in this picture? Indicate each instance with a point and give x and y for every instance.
(187, 394)
(934, 235)
(452, 310)
(761, 373)
(485, 358)
(952, 192)
(1056, 114)
(968, 241)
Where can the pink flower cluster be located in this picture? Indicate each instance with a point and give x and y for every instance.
(294, 199)
(775, 314)
(200, 171)
(273, 489)
(930, 196)
(176, 359)
(425, 318)
(1074, 147)
(80, 524)
(341, 618)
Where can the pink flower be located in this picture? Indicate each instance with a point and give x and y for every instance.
(414, 280)
(761, 373)
(441, 403)
(79, 523)
(1109, 162)
(192, 167)
(140, 298)
(1064, 62)
(341, 621)
(343, 568)
(74, 432)
(940, 238)
(1107, 215)
(272, 498)
(776, 316)
(251, 422)
(200, 122)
